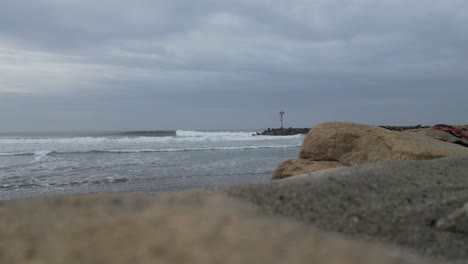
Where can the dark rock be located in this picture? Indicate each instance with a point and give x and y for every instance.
(403, 128)
(284, 131)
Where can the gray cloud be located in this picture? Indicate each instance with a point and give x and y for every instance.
(230, 64)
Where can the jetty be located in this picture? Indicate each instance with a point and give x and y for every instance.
(283, 131)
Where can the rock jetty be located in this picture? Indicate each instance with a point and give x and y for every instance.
(403, 128)
(283, 131)
(337, 144)
(441, 135)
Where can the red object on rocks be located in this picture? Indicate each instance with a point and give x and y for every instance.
(460, 133)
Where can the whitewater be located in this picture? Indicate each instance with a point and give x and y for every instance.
(38, 164)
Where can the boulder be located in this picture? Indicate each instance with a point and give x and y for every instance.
(173, 228)
(346, 144)
(396, 202)
(456, 222)
(302, 166)
(440, 135)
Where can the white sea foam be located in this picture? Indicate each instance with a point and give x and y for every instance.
(182, 136)
(40, 156)
(188, 133)
(195, 149)
(228, 135)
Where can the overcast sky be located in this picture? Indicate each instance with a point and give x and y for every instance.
(176, 64)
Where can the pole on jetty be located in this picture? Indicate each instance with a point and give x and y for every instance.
(281, 118)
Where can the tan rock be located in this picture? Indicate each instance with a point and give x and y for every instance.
(346, 144)
(437, 134)
(186, 228)
(301, 166)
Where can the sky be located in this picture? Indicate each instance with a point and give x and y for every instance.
(68, 65)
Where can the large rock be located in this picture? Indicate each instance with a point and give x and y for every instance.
(301, 166)
(441, 135)
(397, 202)
(346, 144)
(455, 222)
(177, 228)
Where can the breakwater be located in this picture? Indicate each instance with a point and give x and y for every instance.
(403, 128)
(283, 131)
(297, 131)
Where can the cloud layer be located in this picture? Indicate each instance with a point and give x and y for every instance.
(114, 64)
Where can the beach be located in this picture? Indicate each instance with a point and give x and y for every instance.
(407, 208)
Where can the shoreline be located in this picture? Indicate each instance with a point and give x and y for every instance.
(394, 204)
(406, 209)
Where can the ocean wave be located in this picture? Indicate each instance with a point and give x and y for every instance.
(189, 133)
(17, 154)
(41, 154)
(57, 140)
(181, 136)
(155, 133)
(192, 149)
(38, 155)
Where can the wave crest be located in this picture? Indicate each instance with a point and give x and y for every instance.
(155, 133)
(39, 155)
(181, 136)
(189, 133)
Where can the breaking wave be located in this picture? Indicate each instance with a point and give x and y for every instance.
(18, 154)
(190, 149)
(41, 154)
(156, 133)
(188, 133)
(149, 137)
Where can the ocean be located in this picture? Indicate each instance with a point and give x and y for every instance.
(47, 164)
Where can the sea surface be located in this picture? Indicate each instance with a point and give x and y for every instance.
(46, 164)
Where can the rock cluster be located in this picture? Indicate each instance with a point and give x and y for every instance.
(441, 135)
(403, 128)
(415, 204)
(338, 144)
(283, 131)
